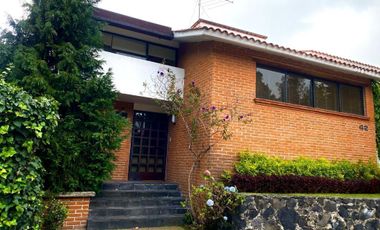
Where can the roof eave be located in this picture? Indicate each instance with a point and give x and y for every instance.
(207, 35)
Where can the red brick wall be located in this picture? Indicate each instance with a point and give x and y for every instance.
(196, 59)
(78, 209)
(122, 155)
(226, 72)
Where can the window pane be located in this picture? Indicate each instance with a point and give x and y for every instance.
(326, 95)
(161, 52)
(351, 99)
(298, 90)
(107, 39)
(128, 45)
(270, 84)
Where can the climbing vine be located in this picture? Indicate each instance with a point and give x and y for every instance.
(25, 124)
(376, 99)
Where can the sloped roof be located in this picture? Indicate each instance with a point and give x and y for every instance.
(202, 23)
(214, 31)
(342, 61)
(207, 30)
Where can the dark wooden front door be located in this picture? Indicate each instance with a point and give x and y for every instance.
(149, 146)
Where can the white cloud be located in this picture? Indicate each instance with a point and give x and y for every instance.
(11, 8)
(343, 31)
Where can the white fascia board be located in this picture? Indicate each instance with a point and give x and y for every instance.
(207, 35)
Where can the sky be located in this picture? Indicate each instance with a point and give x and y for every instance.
(346, 28)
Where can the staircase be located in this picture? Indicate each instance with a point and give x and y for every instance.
(136, 204)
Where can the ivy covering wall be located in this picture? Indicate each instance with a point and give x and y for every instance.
(26, 124)
(376, 98)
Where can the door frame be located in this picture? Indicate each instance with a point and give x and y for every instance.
(139, 176)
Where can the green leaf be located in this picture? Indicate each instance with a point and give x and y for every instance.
(7, 152)
(4, 129)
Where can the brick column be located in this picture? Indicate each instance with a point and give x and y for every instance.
(77, 204)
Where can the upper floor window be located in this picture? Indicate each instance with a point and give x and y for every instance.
(300, 89)
(140, 49)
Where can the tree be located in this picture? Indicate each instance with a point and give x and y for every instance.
(26, 124)
(55, 53)
(201, 121)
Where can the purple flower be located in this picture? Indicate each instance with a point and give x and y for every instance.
(193, 83)
(226, 118)
(213, 108)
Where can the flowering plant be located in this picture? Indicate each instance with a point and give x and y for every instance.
(213, 204)
(205, 124)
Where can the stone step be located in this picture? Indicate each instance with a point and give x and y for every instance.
(104, 202)
(119, 222)
(139, 193)
(137, 211)
(139, 186)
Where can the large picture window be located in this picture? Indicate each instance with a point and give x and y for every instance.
(139, 49)
(286, 86)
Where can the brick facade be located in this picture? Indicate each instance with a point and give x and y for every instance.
(225, 73)
(122, 155)
(77, 204)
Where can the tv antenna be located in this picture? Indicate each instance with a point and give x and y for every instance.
(211, 4)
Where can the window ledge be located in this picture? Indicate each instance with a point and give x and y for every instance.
(307, 108)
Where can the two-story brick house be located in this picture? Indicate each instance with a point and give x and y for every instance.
(303, 103)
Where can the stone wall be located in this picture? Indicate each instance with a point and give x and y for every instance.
(286, 212)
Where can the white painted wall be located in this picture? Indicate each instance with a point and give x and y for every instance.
(130, 73)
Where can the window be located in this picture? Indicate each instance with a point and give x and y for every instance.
(128, 45)
(139, 49)
(298, 90)
(281, 85)
(161, 54)
(326, 95)
(351, 99)
(270, 84)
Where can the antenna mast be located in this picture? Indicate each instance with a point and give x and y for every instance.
(199, 8)
(211, 4)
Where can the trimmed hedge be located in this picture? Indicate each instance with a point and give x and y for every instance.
(258, 164)
(302, 184)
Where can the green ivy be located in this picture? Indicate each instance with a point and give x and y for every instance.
(259, 164)
(25, 125)
(376, 99)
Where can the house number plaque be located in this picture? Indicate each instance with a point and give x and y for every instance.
(363, 127)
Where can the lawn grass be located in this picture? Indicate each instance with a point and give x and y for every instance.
(339, 195)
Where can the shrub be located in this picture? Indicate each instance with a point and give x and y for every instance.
(25, 124)
(213, 204)
(303, 184)
(54, 214)
(258, 164)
